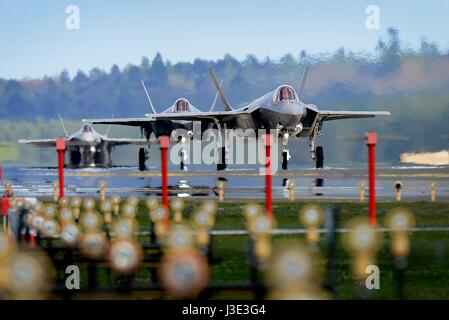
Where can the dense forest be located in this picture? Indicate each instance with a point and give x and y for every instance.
(412, 84)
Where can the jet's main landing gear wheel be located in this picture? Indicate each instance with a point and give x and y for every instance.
(319, 160)
(285, 157)
(142, 159)
(221, 165)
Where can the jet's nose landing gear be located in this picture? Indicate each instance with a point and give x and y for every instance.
(285, 153)
(143, 156)
(183, 155)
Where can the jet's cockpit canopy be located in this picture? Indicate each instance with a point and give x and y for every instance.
(182, 105)
(285, 93)
(87, 128)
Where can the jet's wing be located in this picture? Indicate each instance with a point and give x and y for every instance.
(340, 115)
(133, 122)
(39, 142)
(123, 141)
(221, 116)
(49, 143)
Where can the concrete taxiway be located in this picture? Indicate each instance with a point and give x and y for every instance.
(328, 184)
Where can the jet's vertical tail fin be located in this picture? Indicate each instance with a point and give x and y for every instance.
(212, 107)
(302, 83)
(63, 125)
(148, 97)
(226, 104)
(109, 126)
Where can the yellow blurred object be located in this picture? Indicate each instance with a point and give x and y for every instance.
(362, 241)
(400, 222)
(184, 273)
(362, 188)
(433, 191)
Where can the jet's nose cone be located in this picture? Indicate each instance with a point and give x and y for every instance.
(290, 107)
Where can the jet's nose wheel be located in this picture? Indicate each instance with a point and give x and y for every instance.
(319, 160)
(142, 159)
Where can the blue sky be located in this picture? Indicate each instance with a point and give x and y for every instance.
(34, 40)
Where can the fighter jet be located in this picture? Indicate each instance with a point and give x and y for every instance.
(281, 109)
(155, 128)
(86, 147)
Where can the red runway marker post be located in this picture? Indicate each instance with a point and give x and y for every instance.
(60, 148)
(164, 142)
(371, 141)
(268, 184)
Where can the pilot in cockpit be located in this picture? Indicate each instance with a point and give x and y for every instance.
(286, 93)
(87, 128)
(181, 105)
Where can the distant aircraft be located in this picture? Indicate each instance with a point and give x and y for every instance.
(86, 147)
(281, 110)
(164, 127)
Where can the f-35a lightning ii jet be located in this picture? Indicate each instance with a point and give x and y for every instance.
(281, 109)
(86, 147)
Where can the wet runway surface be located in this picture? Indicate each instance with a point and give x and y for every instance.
(328, 184)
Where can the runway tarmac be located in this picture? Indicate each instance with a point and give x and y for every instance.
(328, 184)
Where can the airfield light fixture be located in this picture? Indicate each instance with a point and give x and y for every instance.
(202, 221)
(50, 211)
(157, 216)
(312, 217)
(66, 215)
(362, 188)
(177, 206)
(132, 200)
(260, 225)
(50, 228)
(184, 274)
(70, 234)
(102, 186)
(93, 244)
(152, 203)
(115, 201)
(30, 274)
(260, 228)
(398, 188)
(433, 191)
(39, 206)
(221, 185)
(88, 204)
(291, 185)
(179, 237)
(91, 220)
(400, 222)
(251, 210)
(55, 187)
(75, 202)
(362, 241)
(125, 228)
(7, 248)
(106, 208)
(125, 256)
(209, 206)
(63, 202)
(38, 221)
(292, 266)
(129, 210)
(7, 185)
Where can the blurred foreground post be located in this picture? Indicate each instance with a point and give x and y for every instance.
(60, 148)
(371, 140)
(268, 192)
(164, 142)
